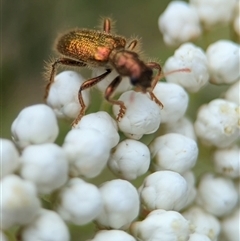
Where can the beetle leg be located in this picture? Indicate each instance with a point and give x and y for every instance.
(87, 84)
(160, 74)
(154, 65)
(109, 91)
(155, 99)
(63, 61)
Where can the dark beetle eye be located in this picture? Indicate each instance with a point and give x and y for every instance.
(133, 81)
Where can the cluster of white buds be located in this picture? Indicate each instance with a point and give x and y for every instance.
(185, 21)
(179, 23)
(157, 173)
(208, 15)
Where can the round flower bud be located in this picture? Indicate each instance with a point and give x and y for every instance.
(164, 190)
(110, 235)
(102, 122)
(190, 178)
(204, 223)
(104, 83)
(179, 23)
(208, 15)
(232, 94)
(133, 136)
(79, 202)
(48, 225)
(120, 204)
(162, 225)
(223, 61)
(217, 195)
(198, 237)
(183, 126)
(9, 158)
(63, 94)
(130, 159)
(87, 151)
(231, 226)
(227, 161)
(48, 159)
(188, 56)
(192, 192)
(174, 99)
(35, 124)
(19, 204)
(173, 152)
(142, 115)
(217, 123)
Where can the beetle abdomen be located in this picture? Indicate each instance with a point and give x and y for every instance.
(89, 46)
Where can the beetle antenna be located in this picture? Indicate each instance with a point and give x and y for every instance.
(163, 75)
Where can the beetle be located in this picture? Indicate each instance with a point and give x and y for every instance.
(91, 48)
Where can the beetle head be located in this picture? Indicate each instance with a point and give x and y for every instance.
(127, 63)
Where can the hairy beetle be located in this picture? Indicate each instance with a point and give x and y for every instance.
(83, 47)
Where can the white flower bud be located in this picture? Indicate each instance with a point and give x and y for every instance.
(19, 204)
(142, 115)
(103, 84)
(120, 204)
(192, 57)
(102, 122)
(35, 124)
(217, 123)
(48, 159)
(87, 151)
(217, 195)
(133, 136)
(198, 237)
(183, 126)
(162, 225)
(164, 190)
(179, 23)
(48, 225)
(173, 152)
(204, 222)
(231, 226)
(130, 159)
(9, 157)
(209, 16)
(190, 178)
(79, 202)
(174, 99)
(232, 93)
(227, 161)
(63, 94)
(192, 192)
(112, 235)
(223, 61)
